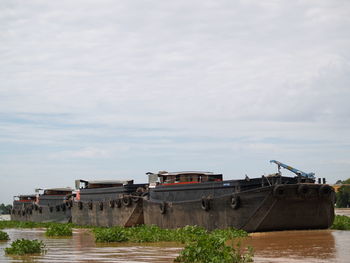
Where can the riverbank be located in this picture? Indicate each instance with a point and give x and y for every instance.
(5, 217)
(342, 211)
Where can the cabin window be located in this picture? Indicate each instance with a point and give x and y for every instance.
(170, 179)
(103, 185)
(52, 192)
(195, 178)
(215, 178)
(185, 178)
(26, 198)
(204, 178)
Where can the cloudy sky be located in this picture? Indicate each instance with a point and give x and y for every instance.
(113, 89)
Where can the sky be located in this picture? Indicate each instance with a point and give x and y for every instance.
(114, 89)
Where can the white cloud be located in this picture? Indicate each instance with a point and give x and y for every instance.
(105, 80)
(89, 152)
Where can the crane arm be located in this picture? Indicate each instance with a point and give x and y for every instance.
(293, 170)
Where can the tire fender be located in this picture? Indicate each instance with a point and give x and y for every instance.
(205, 203)
(126, 200)
(162, 208)
(235, 201)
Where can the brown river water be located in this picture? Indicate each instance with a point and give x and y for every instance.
(284, 246)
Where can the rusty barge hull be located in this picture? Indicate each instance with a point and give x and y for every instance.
(270, 208)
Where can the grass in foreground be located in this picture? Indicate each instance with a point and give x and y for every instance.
(341, 223)
(58, 230)
(25, 246)
(4, 236)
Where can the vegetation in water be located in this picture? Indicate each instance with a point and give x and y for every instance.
(27, 224)
(200, 245)
(343, 194)
(144, 233)
(56, 230)
(4, 236)
(106, 235)
(213, 248)
(25, 246)
(20, 224)
(341, 223)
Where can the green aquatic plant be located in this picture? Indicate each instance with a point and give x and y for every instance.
(56, 230)
(25, 246)
(229, 233)
(107, 235)
(188, 233)
(4, 236)
(147, 233)
(138, 234)
(20, 224)
(201, 245)
(27, 224)
(213, 249)
(341, 223)
(152, 233)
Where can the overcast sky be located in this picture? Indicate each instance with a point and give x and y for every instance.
(114, 89)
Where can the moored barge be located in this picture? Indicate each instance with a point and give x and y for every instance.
(108, 203)
(268, 203)
(52, 205)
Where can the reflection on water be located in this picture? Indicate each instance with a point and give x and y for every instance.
(284, 246)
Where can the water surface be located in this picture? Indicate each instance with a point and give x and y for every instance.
(301, 246)
(82, 248)
(284, 246)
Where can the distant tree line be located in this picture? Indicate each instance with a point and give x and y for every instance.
(343, 194)
(5, 209)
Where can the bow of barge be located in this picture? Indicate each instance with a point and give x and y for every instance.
(268, 203)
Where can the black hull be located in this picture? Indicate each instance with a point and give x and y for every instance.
(120, 212)
(43, 214)
(277, 207)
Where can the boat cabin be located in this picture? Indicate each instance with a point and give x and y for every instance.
(105, 189)
(83, 184)
(58, 191)
(177, 178)
(24, 198)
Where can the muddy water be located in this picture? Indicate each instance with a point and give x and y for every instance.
(285, 246)
(82, 248)
(301, 246)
